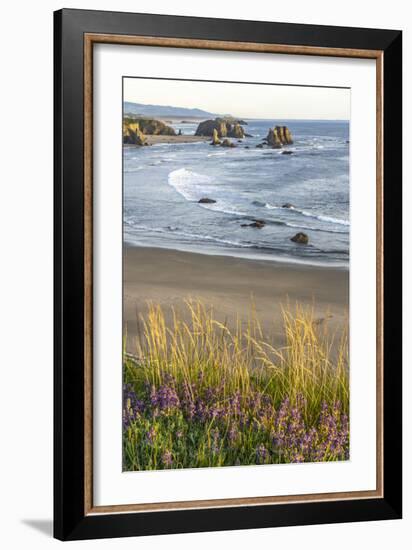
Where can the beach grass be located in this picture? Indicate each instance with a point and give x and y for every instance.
(200, 394)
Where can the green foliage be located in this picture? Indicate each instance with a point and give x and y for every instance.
(198, 394)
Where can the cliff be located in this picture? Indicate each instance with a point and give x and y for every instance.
(132, 134)
(154, 127)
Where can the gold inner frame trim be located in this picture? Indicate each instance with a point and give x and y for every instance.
(89, 40)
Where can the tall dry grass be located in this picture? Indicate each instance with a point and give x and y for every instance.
(197, 347)
(199, 394)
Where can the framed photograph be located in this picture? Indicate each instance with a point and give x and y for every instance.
(227, 274)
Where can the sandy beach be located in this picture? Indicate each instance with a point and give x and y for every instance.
(231, 285)
(152, 140)
(235, 274)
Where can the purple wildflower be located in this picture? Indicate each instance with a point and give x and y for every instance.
(233, 434)
(298, 457)
(255, 425)
(262, 454)
(215, 440)
(150, 435)
(164, 398)
(167, 459)
(210, 395)
(201, 410)
(235, 403)
(215, 411)
(132, 406)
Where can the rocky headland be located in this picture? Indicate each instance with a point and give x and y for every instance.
(135, 130)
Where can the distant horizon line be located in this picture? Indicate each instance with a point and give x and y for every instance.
(217, 115)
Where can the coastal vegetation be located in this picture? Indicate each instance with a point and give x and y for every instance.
(198, 393)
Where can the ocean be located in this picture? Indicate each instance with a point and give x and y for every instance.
(163, 183)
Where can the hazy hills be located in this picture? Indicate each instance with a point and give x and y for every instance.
(163, 110)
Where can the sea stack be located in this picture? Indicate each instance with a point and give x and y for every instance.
(224, 127)
(273, 138)
(279, 136)
(288, 136)
(215, 138)
(237, 131)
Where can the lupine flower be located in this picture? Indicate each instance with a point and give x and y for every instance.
(233, 433)
(150, 435)
(164, 398)
(281, 431)
(298, 457)
(213, 412)
(132, 406)
(235, 403)
(215, 440)
(167, 459)
(261, 454)
(210, 394)
(255, 425)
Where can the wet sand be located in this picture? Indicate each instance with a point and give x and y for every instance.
(231, 285)
(151, 140)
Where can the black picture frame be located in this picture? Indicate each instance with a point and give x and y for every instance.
(70, 520)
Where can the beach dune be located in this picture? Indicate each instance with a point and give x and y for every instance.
(231, 286)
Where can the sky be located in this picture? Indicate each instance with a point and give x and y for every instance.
(243, 100)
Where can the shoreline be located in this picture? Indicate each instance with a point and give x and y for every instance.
(225, 253)
(232, 286)
(155, 139)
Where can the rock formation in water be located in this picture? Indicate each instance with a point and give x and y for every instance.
(227, 143)
(206, 200)
(236, 131)
(300, 238)
(215, 138)
(223, 126)
(279, 136)
(258, 224)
